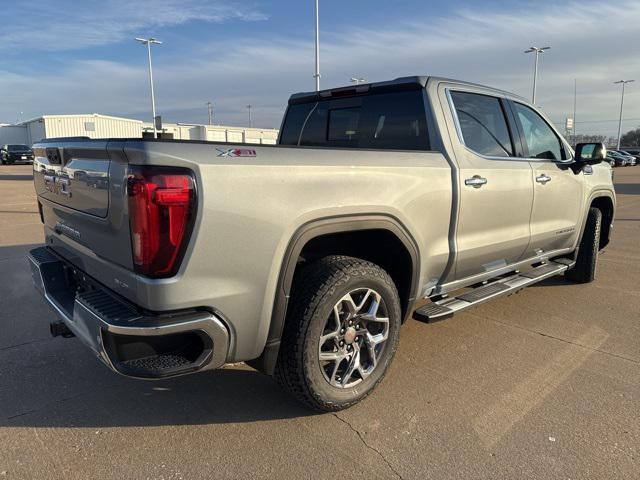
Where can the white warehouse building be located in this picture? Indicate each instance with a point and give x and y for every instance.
(105, 126)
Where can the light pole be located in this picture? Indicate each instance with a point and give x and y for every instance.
(623, 82)
(537, 51)
(250, 119)
(575, 101)
(358, 80)
(317, 74)
(148, 42)
(210, 111)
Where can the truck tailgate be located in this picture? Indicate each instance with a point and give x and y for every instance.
(81, 188)
(76, 177)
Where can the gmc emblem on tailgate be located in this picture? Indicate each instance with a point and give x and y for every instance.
(57, 185)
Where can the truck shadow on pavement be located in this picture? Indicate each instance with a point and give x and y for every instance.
(219, 397)
(627, 188)
(56, 382)
(16, 177)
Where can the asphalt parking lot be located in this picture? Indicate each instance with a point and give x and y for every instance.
(543, 384)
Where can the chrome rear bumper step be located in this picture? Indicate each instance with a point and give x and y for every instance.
(129, 340)
(497, 288)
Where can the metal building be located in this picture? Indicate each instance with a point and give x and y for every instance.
(15, 134)
(92, 126)
(104, 126)
(52, 126)
(214, 133)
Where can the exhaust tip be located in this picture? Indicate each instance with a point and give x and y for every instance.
(59, 329)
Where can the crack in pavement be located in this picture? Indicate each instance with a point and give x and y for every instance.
(19, 415)
(373, 449)
(17, 345)
(604, 352)
(59, 400)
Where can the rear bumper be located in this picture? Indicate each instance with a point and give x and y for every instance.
(128, 340)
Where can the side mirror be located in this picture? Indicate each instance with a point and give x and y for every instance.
(590, 153)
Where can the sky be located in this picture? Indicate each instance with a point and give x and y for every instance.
(64, 56)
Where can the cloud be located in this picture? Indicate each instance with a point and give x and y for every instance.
(483, 45)
(54, 25)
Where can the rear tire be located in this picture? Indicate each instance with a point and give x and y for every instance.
(585, 269)
(341, 332)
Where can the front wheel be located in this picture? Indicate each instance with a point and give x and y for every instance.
(341, 332)
(584, 270)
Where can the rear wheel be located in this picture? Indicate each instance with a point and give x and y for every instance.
(341, 332)
(585, 269)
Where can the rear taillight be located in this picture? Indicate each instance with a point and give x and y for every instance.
(162, 205)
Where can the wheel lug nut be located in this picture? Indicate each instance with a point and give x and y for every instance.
(341, 343)
(342, 330)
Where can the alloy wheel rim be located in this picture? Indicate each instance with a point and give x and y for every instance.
(353, 338)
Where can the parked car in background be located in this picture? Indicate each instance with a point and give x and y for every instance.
(611, 160)
(621, 160)
(16, 153)
(633, 159)
(633, 151)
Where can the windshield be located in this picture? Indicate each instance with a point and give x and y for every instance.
(17, 148)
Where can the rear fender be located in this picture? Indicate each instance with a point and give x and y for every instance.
(267, 360)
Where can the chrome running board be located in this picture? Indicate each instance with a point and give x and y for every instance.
(503, 286)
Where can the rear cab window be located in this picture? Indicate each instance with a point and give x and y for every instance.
(393, 120)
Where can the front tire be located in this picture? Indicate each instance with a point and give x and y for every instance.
(341, 332)
(584, 270)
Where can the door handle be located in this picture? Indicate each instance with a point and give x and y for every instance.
(476, 181)
(543, 179)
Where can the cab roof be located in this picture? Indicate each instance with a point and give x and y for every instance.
(400, 83)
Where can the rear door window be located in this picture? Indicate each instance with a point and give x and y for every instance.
(393, 120)
(483, 124)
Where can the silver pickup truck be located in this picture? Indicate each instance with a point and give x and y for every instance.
(303, 259)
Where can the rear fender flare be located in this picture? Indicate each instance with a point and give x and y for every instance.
(304, 234)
